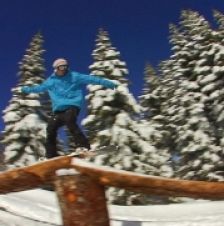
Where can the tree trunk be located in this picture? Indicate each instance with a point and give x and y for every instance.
(82, 201)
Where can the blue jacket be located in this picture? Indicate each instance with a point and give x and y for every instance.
(66, 91)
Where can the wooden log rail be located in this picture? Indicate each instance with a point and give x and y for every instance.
(44, 172)
(82, 195)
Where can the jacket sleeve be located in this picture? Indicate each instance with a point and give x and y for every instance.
(95, 80)
(36, 88)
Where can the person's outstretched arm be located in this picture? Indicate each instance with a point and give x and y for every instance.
(96, 80)
(36, 88)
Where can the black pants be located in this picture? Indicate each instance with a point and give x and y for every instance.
(64, 118)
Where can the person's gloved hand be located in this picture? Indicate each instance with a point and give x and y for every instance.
(117, 84)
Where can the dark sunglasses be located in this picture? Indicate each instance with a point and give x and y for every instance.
(62, 67)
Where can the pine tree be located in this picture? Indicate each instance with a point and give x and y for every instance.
(166, 119)
(194, 66)
(24, 117)
(111, 119)
(219, 17)
(148, 101)
(2, 162)
(105, 104)
(217, 97)
(153, 126)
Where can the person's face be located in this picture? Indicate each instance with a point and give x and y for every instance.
(62, 70)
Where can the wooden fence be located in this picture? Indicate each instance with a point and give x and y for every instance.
(80, 187)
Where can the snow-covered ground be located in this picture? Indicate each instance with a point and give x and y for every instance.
(40, 208)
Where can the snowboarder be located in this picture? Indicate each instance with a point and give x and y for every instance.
(65, 91)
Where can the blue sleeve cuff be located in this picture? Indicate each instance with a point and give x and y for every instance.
(114, 86)
(25, 89)
(110, 84)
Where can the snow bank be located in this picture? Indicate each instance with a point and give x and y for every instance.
(40, 208)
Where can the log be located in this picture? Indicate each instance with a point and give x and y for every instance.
(44, 172)
(152, 185)
(82, 201)
(34, 176)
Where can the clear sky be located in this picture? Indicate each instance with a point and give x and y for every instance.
(137, 28)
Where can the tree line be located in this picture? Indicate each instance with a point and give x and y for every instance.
(173, 129)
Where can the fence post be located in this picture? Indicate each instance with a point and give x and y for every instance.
(82, 201)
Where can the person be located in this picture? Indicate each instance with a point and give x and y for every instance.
(65, 90)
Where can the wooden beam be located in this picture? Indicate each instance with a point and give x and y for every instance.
(82, 201)
(150, 184)
(38, 174)
(34, 176)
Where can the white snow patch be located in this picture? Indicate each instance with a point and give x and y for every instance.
(11, 117)
(66, 172)
(40, 208)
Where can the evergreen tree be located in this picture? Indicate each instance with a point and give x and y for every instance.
(153, 126)
(105, 104)
(193, 64)
(219, 17)
(111, 120)
(216, 99)
(2, 162)
(24, 117)
(166, 119)
(148, 101)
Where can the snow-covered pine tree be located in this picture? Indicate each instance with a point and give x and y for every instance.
(219, 17)
(163, 124)
(217, 97)
(24, 117)
(174, 72)
(165, 119)
(153, 125)
(193, 63)
(150, 104)
(105, 104)
(2, 164)
(111, 116)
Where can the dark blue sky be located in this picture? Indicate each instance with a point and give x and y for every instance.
(137, 28)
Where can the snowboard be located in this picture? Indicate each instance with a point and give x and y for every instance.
(87, 154)
(99, 151)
